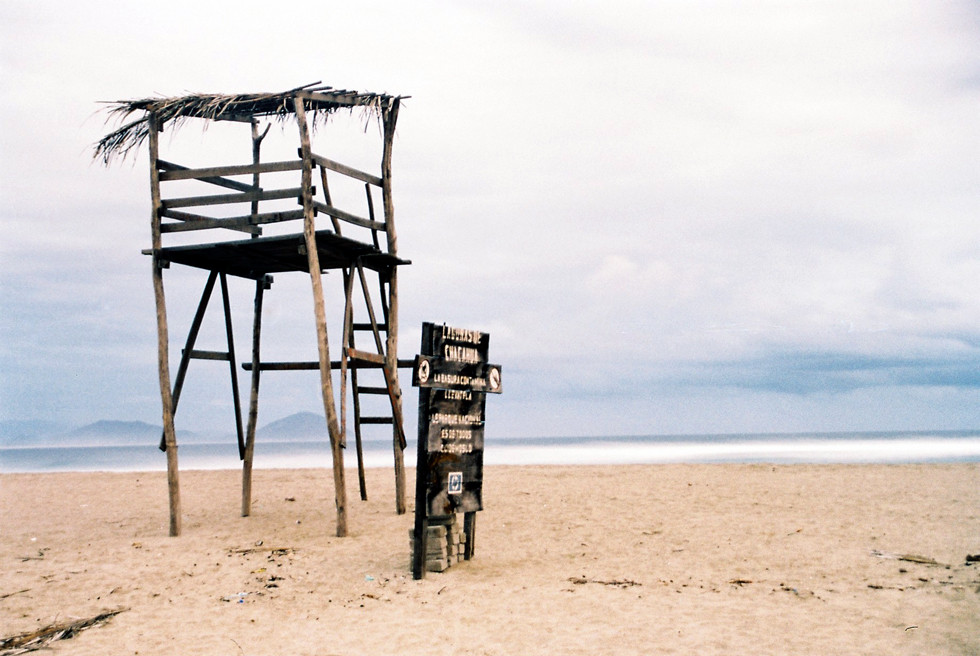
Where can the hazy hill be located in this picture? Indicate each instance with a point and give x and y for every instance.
(104, 432)
(23, 433)
(301, 426)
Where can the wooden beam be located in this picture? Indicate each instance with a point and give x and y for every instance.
(230, 337)
(326, 199)
(224, 199)
(313, 365)
(163, 351)
(366, 356)
(253, 402)
(260, 285)
(198, 174)
(378, 420)
(326, 382)
(340, 98)
(201, 222)
(346, 343)
(188, 350)
(370, 205)
(346, 216)
(246, 223)
(177, 172)
(390, 118)
(210, 355)
(347, 170)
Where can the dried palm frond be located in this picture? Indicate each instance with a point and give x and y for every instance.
(41, 638)
(320, 101)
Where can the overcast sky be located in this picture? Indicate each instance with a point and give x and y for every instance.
(672, 217)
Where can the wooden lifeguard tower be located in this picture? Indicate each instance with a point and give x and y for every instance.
(272, 195)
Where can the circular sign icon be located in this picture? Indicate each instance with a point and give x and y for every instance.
(424, 371)
(494, 377)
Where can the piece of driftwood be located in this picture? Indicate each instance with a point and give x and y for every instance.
(275, 551)
(11, 594)
(39, 639)
(909, 558)
(623, 583)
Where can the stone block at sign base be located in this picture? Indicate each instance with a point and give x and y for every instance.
(445, 543)
(436, 565)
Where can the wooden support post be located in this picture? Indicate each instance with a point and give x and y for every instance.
(253, 399)
(326, 198)
(233, 364)
(346, 343)
(185, 355)
(163, 349)
(469, 527)
(326, 383)
(358, 441)
(349, 343)
(421, 486)
(253, 402)
(390, 117)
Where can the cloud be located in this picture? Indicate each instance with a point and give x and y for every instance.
(721, 215)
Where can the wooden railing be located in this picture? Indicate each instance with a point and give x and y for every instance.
(184, 221)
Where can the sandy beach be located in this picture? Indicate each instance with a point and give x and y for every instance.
(672, 559)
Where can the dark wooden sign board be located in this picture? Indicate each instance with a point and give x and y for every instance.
(453, 377)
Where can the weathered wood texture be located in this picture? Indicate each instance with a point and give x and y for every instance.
(253, 401)
(163, 349)
(260, 285)
(326, 382)
(250, 206)
(390, 118)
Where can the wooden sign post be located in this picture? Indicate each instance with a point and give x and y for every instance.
(453, 377)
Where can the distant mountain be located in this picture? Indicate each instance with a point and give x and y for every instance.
(102, 433)
(302, 426)
(34, 431)
(299, 427)
(125, 429)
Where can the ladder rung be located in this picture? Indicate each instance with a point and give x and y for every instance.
(382, 327)
(377, 420)
(209, 355)
(372, 390)
(366, 356)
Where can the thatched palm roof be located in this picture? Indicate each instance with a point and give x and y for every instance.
(320, 101)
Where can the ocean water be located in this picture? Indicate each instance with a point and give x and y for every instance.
(917, 447)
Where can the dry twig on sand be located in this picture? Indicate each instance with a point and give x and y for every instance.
(275, 551)
(39, 639)
(624, 583)
(11, 594)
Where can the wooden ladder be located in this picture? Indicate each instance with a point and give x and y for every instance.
(366, 364)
